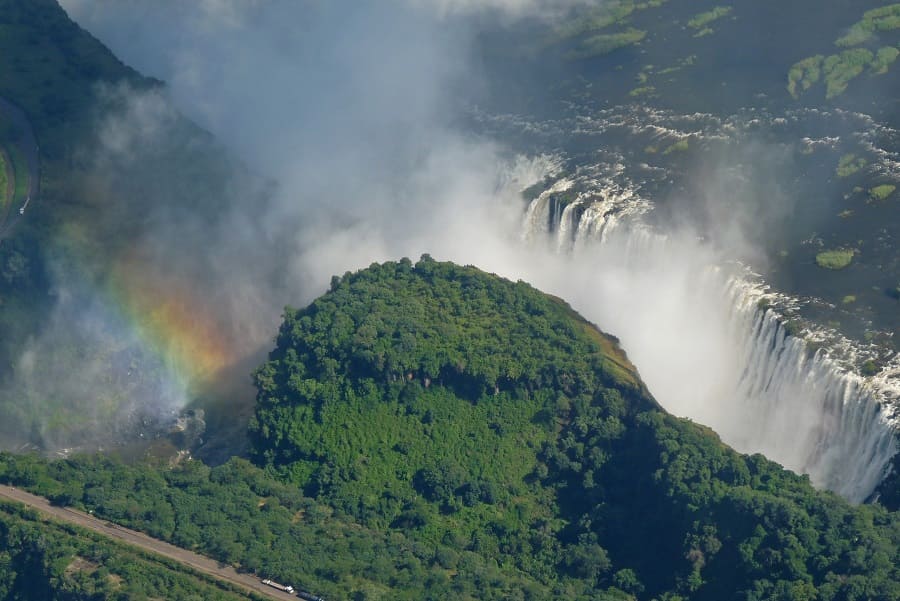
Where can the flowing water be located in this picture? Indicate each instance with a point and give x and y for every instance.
(713, 343)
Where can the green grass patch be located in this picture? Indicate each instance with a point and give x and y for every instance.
(884, 58)
(839, 69)
(848, 299)
(606, 43)
(804, 74)
(681, 64)
(4, 181)
(882, 192)
(701, 20)
(856, 36)
(615, 12)
(849, 164)
(642, 91)
(704, 32)
(20, 168)
(886, 18)
(835, 259)
(595, 20)
(869, 368)
(679, 146)
(846, 214)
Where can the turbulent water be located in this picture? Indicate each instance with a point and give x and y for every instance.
(711, 341)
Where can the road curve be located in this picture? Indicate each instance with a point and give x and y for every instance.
(199, 563)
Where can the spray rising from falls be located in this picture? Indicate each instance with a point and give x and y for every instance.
(711, 345)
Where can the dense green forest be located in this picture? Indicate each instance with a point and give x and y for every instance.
(241, 515)
(52, 68)
(447, 402)
(48, 561)
(424, 430)
(431, 431)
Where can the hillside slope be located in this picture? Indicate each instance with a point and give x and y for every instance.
(469, 437)
(51, 70)
(49, 66)
(456, 405)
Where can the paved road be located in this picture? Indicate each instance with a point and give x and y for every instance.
(195, 561)
(28, 146)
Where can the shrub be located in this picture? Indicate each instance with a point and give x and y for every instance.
(835, 259)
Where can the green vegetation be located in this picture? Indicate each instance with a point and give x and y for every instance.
(49, 66)
(874, 21)
(414, 401)
(854, 37)
(20, 168)
(428, 431)
(468, 437)
(839, 69)
(642, 91)
(849, 164)
(51, 69)
(881, 192)
(804, 73)
(681, 145)
(793, 327)
(5, 197)
(240, 515)
(42, 559)
(835, 259)
(884, 58)
(605, 43)
(701, 20)
(869, 368)
(592, 32)
(372, 400)
(849, 299)
(679, 65)
(596, 19)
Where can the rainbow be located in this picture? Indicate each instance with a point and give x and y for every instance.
(132, 341)
(172, 321)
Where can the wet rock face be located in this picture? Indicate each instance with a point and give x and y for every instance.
(187, 432)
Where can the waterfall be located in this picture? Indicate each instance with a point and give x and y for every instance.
(802, 409)
(710, 349)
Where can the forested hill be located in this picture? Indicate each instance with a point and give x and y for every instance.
(51, 68)
(475, 412)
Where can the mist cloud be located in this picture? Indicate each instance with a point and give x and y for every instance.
(348, 114)
(351, 108)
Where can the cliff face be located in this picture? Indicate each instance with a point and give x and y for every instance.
(455, 405)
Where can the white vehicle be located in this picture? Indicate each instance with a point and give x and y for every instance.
(286, 588)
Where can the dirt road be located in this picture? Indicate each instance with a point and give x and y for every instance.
(193, 560)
